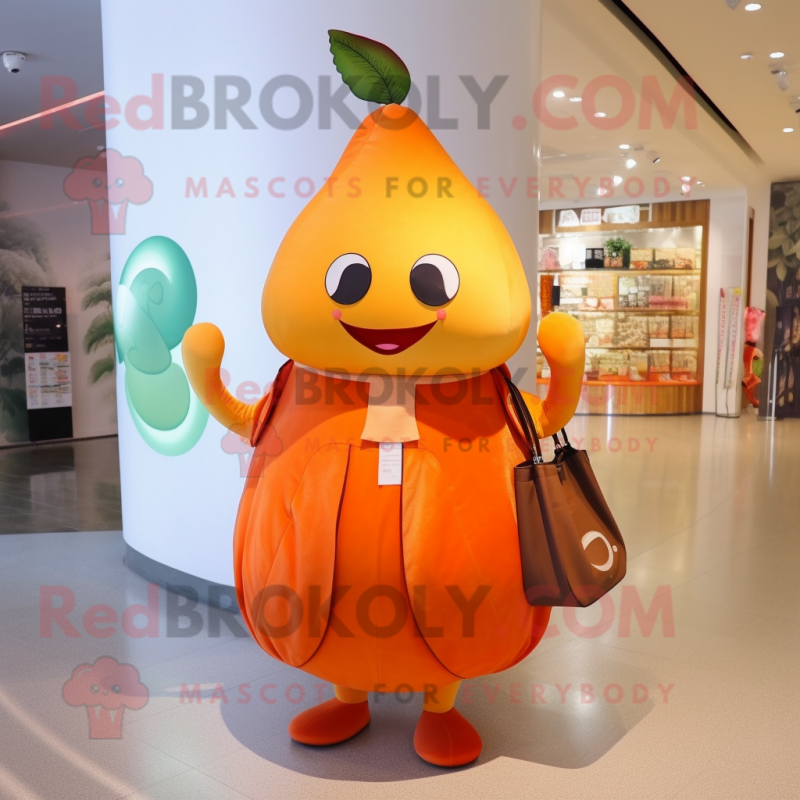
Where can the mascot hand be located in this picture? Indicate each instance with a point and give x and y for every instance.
(203, 347)
(562, 342)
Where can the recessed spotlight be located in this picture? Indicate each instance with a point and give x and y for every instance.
(575, 99)
(601, 192)
(752, 7)
(746, 56)
(788, 130)
(617, 179)
(777, 54)
(782, 79)
(558, 93)
(686, 178)
(699, 183)
(624, 147)
(630, 163)
(600, 114)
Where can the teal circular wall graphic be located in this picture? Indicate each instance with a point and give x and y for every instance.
(156, 304)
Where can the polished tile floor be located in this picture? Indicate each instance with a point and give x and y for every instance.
(683, 684)
(60, 487)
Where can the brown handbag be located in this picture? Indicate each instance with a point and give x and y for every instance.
(571, 548)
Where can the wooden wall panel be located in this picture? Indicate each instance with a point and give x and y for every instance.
(628, 400)
(682, 212)
(547, 222)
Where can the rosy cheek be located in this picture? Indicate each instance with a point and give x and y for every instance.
(441, 314)
(336, 314)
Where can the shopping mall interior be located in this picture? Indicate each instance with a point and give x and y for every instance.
(226, 371)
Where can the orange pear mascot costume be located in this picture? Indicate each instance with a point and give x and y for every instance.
(376, 542)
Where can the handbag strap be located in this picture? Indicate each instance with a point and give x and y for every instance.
(566, 443)
(525, 421)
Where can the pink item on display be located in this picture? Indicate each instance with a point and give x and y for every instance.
(753, 323)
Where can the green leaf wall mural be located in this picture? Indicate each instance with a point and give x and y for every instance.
(24, 261)
(99, 337)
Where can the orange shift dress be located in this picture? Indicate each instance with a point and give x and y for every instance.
(384, 587)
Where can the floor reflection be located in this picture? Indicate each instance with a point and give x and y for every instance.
(50, 488)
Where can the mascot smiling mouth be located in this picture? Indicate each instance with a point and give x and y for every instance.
(387, 341)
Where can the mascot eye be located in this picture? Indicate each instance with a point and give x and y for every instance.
(94, 688)
(348, 279)
(116, 688)
(434, 280)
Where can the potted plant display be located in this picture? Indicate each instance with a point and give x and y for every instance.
(618, 253)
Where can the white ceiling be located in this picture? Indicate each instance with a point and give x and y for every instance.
(708, 39)
(585, 40)
(59, 37)
(580, 38)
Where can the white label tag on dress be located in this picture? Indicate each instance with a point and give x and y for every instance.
(390, 464)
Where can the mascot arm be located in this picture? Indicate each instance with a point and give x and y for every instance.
(202, 349)
(562, 342)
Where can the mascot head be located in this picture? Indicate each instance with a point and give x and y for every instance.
(397, 264)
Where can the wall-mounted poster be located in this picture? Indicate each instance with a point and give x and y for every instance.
(622, 215)
(48, 372)
(568, 219)
(591, 216)
(48, 380)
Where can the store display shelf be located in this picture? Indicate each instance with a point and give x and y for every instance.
(652, 309)
(625, 382)
(623, 270)
(627, 310)
(639, 347)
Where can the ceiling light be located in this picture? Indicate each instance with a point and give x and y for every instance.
(558, 93)
(732, 3)
(617, 179)
(601, 192)
(752, 7)
(686, 178)
(782, 79)
(600, 114)
(575, 99)
(746, 56)
(51, 111)
(699, 183)
(624, 147)
(777, 54)
(630, 163)
(788, 130)
(653, 156)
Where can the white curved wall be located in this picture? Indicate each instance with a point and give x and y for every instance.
(180, 510)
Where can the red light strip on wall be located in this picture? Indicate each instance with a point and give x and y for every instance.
(51, 111)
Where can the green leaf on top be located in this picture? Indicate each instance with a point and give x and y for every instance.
(371, 70)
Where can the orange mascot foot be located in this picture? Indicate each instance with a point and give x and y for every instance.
(329, 723)
(447, 740)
